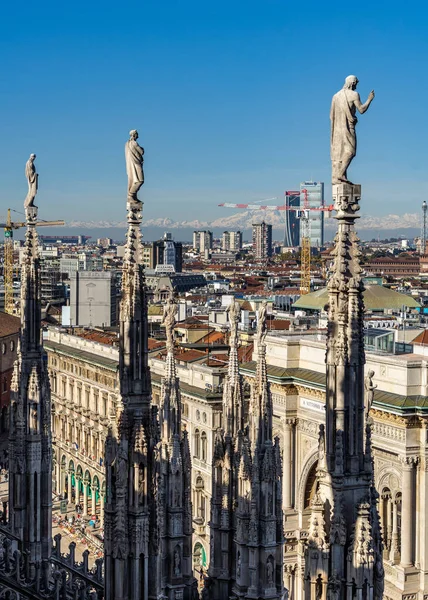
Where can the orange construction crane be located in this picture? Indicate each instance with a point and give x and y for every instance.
(9, 226)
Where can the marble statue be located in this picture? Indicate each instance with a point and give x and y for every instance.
(177, 563)
(370, 388)
(169, 320)
(261, 324)
(269, 569)
(33, 181)
(343, 121)
(121, 467)
(234, 315)
(134, 165)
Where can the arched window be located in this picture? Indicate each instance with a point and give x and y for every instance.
(311, 486)
(204, 446)
(197, 443)
(200, 499)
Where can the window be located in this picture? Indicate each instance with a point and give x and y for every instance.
(87, 397)
(200, 499)
(3, 348)
(12, 346)
(5, 385)
(105, 405)
(196, 441)
(204, 446)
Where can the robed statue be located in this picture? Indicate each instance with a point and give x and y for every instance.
(134, 165)
(343, 121)
(33, 180)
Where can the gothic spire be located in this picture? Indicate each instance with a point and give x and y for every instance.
(130, 517)
(233, 397)
(170, 396)
(345, 474)
(261, 409)
(30, 440)
(174, 510)
(148, 511)
(246, 508)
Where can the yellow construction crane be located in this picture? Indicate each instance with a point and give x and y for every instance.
(9, 226)
(305, 240)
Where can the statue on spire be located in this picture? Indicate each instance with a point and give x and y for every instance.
(234, 311)
(169, 320)
(343, 121)
(33, 181)
(134, 156)
(261, 324)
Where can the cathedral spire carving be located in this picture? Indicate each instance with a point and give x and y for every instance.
(148, 511)
(131, 541)
(345, 475)
(30, 439)
(246, 511)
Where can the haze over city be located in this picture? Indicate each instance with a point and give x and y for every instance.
(231, 102)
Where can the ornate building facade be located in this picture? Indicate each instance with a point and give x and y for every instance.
(83, 371)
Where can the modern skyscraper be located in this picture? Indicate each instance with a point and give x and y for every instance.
(202, 240)
(262, 240)
(232, 240)
(292, 224)
(315, 193)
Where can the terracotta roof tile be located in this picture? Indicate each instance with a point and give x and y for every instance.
(422, 338)
(9, 324)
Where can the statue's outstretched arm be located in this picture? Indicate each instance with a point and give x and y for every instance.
(363, 107)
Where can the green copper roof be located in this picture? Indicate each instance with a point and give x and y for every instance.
(383, 400)
(89, 357)
(376, 297)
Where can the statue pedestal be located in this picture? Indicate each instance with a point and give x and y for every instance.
(346, 197)
(31, 213)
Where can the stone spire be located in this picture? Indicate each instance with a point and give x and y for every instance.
(174, 510)
(148, 510)
(348, 552)
(246, 511)
(131, 542)
(233, 397)
(30, 440)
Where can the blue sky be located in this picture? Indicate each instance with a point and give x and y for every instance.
(231, 99)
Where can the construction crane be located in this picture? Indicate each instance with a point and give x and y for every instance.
(8, 266)
(303, 213)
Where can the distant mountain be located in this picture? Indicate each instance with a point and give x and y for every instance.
(243, 221)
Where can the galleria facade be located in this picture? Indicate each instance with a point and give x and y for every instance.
(84, 380)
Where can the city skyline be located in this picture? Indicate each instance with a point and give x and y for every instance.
(230, 102)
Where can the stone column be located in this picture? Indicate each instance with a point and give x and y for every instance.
(62, 480)
(102, 500)
(85, 498)
(407, 514)
(69, 486)
(394, 554)
(287, 469)
(58, 478)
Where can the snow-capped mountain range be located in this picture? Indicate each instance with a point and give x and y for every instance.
(243, 220)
